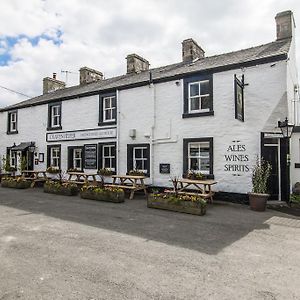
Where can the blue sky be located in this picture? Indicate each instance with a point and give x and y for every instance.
(38, 37)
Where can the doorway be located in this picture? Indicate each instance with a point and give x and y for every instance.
(270, 151)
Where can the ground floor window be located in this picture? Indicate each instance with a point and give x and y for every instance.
(198, 155)
(108, 156)
(13, 159)
(54, 156)
(138, 158)
(75, 158)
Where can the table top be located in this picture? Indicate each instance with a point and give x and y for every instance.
(128, 176)
(82, 174)
(194, 181)
(32, 171)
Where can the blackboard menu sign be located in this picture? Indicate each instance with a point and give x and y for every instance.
(90, 156)
(164, 168)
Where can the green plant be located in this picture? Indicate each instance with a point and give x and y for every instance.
(136, 173)
(260, 176)
(177, 199)
(194, 175)
(295, 198)
(52, 170)
(74, 170)
(23, 164)
(6, 164)
(105, 172)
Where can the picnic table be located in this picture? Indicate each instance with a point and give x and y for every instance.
(202, 187)
(130, 182)
(34, 176)
(81, 178)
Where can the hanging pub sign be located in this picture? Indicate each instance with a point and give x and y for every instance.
(239, 98)
(90, 156)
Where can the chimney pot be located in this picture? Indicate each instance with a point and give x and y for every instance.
(191, 50)
(136, 64)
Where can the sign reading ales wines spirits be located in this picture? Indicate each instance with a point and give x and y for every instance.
(236, 159)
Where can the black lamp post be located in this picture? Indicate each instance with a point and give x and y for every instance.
(287, 130)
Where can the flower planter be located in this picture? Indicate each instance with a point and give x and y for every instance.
(162, 201)
(13, 183)
(60, 189)
(258, 202)
(99, 194)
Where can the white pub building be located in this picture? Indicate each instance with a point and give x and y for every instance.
(213, 115)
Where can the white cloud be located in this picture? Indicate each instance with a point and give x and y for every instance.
(100, 34)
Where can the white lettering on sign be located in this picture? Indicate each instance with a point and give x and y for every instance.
(88, 134)
(236, 159)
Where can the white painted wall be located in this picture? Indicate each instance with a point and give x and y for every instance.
(265, 91)
(160, 107)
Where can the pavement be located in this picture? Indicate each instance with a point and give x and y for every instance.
(57, 247)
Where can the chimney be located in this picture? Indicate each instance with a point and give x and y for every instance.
(285, 25)
(191, 50)
(52, 84)
(88, 75)
(136, 64)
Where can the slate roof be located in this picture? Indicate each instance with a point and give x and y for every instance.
(277, 50)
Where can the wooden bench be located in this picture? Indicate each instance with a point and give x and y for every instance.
(129, 182)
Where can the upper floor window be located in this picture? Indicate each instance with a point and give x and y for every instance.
(239, 98)
(54, 116)
(108, 109)
(198, 96)
(12, 122)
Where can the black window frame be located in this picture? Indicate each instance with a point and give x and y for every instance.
(101, 119)
(239, 85)
(211, 154)
(49, 147)
(50, 105)
(9, 114)
(100, 155)
(130, 148)
(71, 157)
(193, 79)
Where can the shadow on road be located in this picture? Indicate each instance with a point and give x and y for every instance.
(223, 225)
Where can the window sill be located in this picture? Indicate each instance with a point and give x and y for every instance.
(12, 132)
(107, 123)
(54, 128)
(200, 114)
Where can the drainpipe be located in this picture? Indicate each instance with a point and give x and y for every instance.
(118, 132)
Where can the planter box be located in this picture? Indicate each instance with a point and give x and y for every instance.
(65, 191)
(188, 207)
(104, 195)
(15, 185)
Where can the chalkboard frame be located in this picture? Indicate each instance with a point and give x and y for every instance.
(96, 157)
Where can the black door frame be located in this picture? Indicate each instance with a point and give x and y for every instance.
(283, 166)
